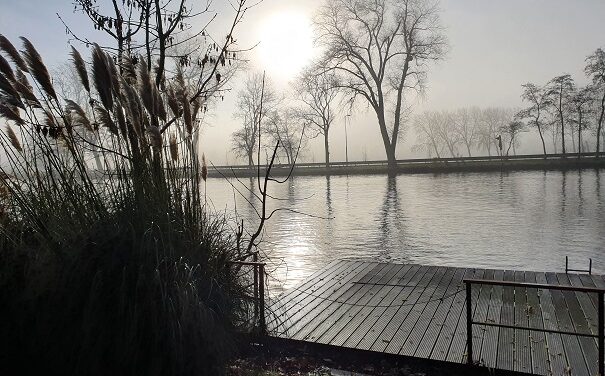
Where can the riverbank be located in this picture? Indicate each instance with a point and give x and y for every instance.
(429, 165)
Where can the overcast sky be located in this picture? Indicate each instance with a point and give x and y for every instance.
(495, 47)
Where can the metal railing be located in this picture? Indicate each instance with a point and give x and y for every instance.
(469, 315)
(258, 269)
(568, 269)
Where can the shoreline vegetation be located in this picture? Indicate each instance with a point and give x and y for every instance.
(569, 161)
(132, 275)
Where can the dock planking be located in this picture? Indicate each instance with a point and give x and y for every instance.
(419, 311)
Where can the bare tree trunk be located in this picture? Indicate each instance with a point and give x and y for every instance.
(580, 134)
(600, 124)
(541, 138)
(327, 149)
(562, 122)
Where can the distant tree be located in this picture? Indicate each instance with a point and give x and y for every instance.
(252, 107)
(559, 92)
(287, 129)
(317, 92)
(466, 126)
(446, 124)
(580, 107)
(534, 114)
(428, 137)
(495, 119)
(595, 70)
(379, 49)
(511, 131)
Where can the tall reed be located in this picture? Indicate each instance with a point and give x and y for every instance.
(112, 271)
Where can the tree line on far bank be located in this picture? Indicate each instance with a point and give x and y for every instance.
(376, 53)
(565, 116)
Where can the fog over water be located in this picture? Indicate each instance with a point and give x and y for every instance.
(524, 220)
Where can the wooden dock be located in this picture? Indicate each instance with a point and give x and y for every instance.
(419, 311)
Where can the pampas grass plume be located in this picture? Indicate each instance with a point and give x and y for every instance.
(174, 148)
(204, 167)
(13, 138)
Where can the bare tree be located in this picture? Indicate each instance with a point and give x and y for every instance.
(253, 105)
(285, 128)
(467, 123)
(511, 131)
(494, 120)
(446, 131)
(428, 137)
(148, 27)
(538, 103)
(318, 92)
(580, 107)
(595, 70)
(379, 49)
(559, 92)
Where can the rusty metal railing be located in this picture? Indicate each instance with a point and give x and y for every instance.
(595, 290)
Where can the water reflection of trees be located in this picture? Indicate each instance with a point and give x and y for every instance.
(393, 234)
(328, 197)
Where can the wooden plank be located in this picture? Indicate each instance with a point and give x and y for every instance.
(340, 317)
(357, 315)
(455, 288)
(402, 333)
(457, 350)
(522, 352)
(278, 307)
(385, 315)
(556, 351)
(580, 325)
(483, 303)
(448, 330)
(301, 311)
(587, 281)
(489, 347)
(537, 340)
(588, 308)
(363, 332)
(573, 350)
(423, 318)
(405, 301)
(318, 313)
(506, 340)
(291, 307)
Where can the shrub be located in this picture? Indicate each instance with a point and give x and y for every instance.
(113, 271)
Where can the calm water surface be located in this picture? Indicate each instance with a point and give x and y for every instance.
(524, 220)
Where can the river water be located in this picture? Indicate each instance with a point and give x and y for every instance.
(524, 220)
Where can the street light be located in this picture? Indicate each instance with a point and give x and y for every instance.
(346, 139)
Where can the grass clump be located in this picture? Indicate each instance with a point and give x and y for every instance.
(118, 270)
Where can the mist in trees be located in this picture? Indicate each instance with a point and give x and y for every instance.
(379, 50)
(316, 94)
(465, 131)
(255, 101)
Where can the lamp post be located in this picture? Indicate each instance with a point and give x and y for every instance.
(346, 139)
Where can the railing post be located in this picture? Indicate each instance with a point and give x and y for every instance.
(255, 284)
(261, 289)
(469, 325)
(601, 337)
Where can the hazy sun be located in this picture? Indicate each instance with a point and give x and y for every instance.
(286, 44)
